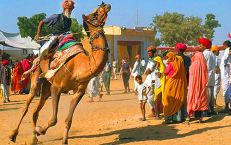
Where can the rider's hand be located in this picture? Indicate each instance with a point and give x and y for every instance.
(36, 37)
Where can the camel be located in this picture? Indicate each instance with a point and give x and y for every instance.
(78, 72)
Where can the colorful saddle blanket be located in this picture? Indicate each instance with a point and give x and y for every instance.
(66, 49)
(65, 42)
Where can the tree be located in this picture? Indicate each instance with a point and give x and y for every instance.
(28, 26)
(175, 27)
(76, 28)
(210, 24)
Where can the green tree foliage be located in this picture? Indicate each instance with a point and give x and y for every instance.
(210, 24)
(156, 42)
(77, 29)
(28, 26)
(175, 27)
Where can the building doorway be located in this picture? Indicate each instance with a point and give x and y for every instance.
(128, 49)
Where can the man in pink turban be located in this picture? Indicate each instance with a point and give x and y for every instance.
(68, 4)
(205, 45)
(60, 25)
(181, 47)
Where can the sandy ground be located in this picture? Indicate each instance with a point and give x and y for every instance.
(115, 120)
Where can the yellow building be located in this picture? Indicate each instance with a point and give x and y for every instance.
(126, 42)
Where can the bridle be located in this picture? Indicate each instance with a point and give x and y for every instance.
(97, 32)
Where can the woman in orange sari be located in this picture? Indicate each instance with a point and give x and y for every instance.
(175, 88)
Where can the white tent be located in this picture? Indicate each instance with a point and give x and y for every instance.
(16, 41)
(16, 46)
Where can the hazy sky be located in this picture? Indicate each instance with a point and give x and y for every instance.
(123, 13)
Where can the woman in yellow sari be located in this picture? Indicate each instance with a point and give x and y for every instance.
(159, 85)
(175, 87)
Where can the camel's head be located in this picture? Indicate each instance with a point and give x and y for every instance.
(97, 18)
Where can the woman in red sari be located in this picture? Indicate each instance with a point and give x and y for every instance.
(197, 100)
(18, 71)
(25, 67)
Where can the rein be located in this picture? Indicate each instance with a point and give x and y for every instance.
(96, 34)
(91, 38)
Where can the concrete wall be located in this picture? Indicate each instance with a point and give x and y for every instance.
(113, 43)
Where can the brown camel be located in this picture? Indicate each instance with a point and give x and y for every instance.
(74, 75)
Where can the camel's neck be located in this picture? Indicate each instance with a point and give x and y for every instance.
(99, 55)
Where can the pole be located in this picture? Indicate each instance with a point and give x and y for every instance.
(137, 17)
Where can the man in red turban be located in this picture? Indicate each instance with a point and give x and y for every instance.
(5, 62)
(205, 43)
(210, 58)
(5, 80)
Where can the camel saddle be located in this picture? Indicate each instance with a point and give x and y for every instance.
(58, 55)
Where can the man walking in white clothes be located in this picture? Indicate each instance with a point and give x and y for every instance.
(137, 70)
(210, 58)
(215, 50)
(114, 69)
(150, 74)
(225, 73)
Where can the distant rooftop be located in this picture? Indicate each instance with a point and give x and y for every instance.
(117, 30)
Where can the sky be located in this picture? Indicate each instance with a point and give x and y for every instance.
(123, 12)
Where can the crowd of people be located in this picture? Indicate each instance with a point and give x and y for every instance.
(172, 83)
(184, 87)
(175, 84)
(10, 77)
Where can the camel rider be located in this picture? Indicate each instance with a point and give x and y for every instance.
(60, 24)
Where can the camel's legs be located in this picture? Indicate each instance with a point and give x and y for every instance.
(33, 89)
(74, 102)
(45, 93)
(55, 95)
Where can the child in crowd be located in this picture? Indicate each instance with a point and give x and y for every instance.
(149, 83)
(94, 89)
(142, 92)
